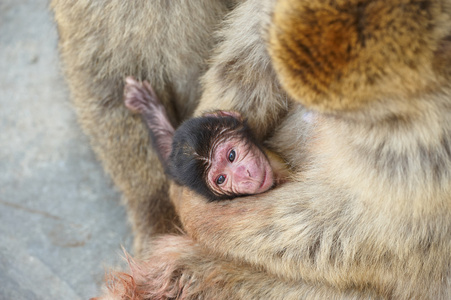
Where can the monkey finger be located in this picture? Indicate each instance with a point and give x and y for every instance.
(130, 80)
(152, 93)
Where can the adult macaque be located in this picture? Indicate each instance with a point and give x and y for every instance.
(368, 214)
(216, 155)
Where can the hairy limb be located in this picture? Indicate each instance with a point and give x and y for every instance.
(240, 76)
(141, 98)
(179, 268)
(299, 239)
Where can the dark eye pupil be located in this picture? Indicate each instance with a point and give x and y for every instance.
(232, 156)
(220, 179)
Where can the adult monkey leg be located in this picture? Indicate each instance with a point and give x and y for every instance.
(165, 42)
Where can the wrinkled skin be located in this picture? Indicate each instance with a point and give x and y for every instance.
(240, 168)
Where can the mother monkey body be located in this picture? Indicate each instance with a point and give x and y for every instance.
(369, 212)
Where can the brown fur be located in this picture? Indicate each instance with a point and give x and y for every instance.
(368, 214)
(350, 53)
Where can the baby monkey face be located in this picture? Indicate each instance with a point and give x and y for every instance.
(239, 167)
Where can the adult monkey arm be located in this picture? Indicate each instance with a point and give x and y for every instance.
(240, 76)
(372, 206)
(206, 276)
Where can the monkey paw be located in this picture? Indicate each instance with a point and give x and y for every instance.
(140, 97)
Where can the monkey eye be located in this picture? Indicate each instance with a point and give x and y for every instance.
(232, 155)
(220, 179)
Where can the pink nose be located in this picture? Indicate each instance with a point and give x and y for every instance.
(242, 173)
(245, 172)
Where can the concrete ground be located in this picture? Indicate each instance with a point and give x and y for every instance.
(61, 222)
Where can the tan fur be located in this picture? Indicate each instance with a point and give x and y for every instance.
(204, 276)
(102, 42)
(368, 214)
(240, 76)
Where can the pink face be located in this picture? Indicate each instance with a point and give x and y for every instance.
(239, 168)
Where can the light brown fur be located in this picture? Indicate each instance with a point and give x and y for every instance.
(368, 214)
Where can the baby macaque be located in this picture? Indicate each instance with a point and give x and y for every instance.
(216, 155)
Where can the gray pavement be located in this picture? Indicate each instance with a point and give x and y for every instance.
(61, 221)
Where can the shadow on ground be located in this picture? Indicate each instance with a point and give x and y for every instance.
(62, 223)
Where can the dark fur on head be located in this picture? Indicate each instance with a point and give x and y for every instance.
(193, 147)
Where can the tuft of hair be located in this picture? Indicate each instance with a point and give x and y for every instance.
(342, 55)
(156, 277)
(193, 147)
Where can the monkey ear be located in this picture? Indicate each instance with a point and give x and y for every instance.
(224, 113)
(343, 55)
